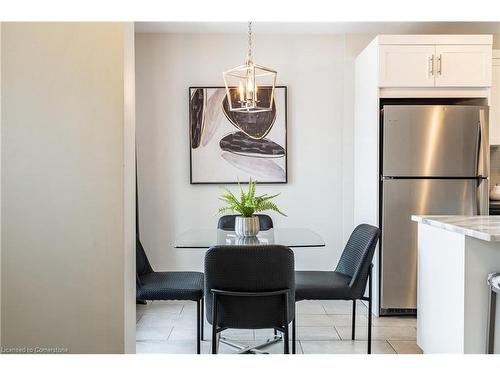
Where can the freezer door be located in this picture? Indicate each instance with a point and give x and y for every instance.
(401, 199)
(434, 140)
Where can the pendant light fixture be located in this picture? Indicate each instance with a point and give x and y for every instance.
(250, 87)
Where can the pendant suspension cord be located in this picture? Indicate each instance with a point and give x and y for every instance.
(249, 53)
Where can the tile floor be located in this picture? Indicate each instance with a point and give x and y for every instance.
(323, 327)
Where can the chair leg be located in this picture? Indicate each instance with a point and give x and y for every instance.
(294, 338)
(202, 317)
(286, 338)
(286, 341)
(490, 340)
(370, 310)
(198, 326)
(214, 340)
(215, 343)
(353, 320)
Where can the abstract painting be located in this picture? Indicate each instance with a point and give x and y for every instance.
(227, 147)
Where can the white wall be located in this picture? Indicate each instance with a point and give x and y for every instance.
(312, 68)
(129, 275)
(63, 156)
(354, 44)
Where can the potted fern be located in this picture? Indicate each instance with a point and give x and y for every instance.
(247, 225)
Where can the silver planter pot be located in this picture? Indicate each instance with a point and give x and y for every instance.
(254, 240)
(246, 226)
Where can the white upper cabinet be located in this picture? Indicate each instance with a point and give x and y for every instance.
(463, 66)
(495, 101)
(407, 66)
(416, 61)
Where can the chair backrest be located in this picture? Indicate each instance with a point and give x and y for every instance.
(227, 222)
(357, 256)
(250, 269)
(142, 265)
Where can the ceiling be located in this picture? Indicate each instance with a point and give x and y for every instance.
(322, 27)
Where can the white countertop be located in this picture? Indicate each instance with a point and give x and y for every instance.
(485, 228)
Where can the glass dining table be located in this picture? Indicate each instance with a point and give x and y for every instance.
(291, 237)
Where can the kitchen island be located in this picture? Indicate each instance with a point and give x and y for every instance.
(455, 256)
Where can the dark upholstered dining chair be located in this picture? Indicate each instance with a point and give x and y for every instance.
(227, 222)
(167, 286)
(249, 287)
(348, 281)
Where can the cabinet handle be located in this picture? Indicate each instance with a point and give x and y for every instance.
(439, 71)
(431, 65)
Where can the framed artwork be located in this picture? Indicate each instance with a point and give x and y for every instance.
(227, 147)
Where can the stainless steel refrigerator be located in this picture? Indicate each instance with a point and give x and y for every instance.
(434, 161)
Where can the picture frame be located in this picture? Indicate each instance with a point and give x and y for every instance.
(231, 147)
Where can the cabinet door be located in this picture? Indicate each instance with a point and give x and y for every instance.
(406, 65)
(495, 104)
(463, 66)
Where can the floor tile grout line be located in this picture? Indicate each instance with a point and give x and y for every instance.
(170, 332)
(301, 347)
(137, 321)
(324, 309)
(393, 348)
(338, 334)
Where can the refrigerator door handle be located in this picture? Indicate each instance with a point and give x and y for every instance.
(483, 197)
(484, 145)
(483, 165)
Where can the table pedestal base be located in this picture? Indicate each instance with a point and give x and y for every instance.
(255, 349)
